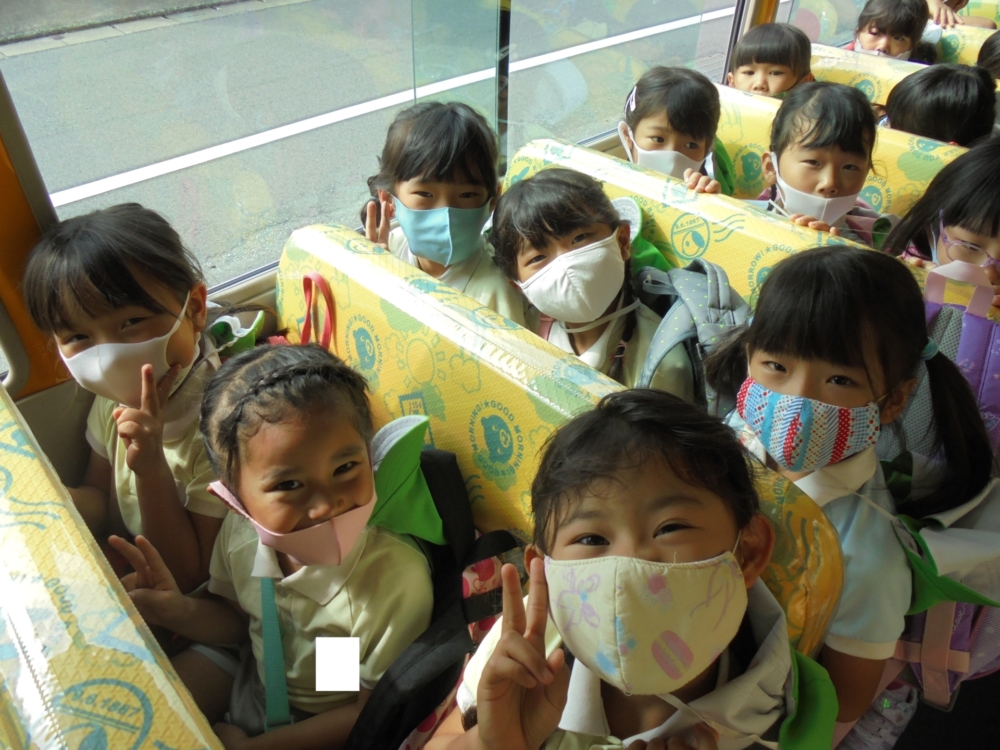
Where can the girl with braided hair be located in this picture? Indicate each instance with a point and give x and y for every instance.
(559, 239)
(289, 431)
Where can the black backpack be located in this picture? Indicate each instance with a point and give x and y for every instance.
(430, 667)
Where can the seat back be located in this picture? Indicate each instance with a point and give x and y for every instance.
(78, 667)
(983, 9)
(960, 44)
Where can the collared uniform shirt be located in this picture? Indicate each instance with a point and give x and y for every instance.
(878, 581)
(381, 594)
(477, 277)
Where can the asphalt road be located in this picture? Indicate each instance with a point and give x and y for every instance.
(106, 101)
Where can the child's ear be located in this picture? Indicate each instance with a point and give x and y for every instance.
(755, 548)
(896, 401)
(197, 309)
(493, 202)
(624, 232)
(807, 78)
(729, 79)
(531, 552)
(514, 284)
(767, 164)
(623, 131)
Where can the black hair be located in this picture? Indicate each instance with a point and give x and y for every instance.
(947, 102)
(905, 17)
(625, 431)
(98, 262)
(836, 303)
(989, 55)
(774, 44)
(551, 204)
(690, 100)
(966, 192)
(820, 114)
(266, 384)
(440, 142)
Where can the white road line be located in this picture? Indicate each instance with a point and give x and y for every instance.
(133, 176)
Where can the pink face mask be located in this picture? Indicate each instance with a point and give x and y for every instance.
(326, 543)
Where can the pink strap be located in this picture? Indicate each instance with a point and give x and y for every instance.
(966, 273)
(544, 326)
(308, 281)
(936, 646)
(908, 651)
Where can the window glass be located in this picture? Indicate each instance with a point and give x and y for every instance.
(574, 63)
(824, 21)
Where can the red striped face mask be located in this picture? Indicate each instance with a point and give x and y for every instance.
(802, 434)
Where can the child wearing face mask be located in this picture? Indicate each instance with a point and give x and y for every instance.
(958, 217)
(669, 125)
(289, 430)
(438, 178)
(894, 28)
(770, 60)
(830, 359)
(646, 555)
(127, 307)
(560, 241)
(821, 145)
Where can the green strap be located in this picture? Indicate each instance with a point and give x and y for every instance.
(275, 689)
(810, 725)
(725, 173)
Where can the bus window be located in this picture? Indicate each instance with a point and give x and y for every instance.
(824, 21)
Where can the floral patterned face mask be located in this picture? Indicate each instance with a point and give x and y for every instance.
(648, 628)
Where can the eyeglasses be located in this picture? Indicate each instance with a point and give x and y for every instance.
(967, 252)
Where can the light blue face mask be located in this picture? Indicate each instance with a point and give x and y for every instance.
(443, 235)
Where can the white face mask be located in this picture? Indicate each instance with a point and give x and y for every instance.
(880, 53)
(114, 371)
(672, 163)
(648, 628)
(327, 543)
(830, 210)
(579, 285)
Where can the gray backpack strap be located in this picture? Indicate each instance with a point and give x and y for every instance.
(703, 307)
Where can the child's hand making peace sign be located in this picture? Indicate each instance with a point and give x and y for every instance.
(521, 693)
(142, 428)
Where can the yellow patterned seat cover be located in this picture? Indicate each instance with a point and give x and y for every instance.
(494, 392)
(982, 9)
(78, 667)
(960, 44)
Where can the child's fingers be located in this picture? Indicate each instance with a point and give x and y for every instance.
(136, 559)
(371, 222)
(156, 565)
(513, 646)
(150, 403)
(513, 604)
(538, 604)
(118, 411)
(834, 231)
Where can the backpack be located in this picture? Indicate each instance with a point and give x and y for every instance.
(971, 341)
(417, 690)
(697, 305)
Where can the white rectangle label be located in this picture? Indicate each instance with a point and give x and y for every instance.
(338, 664)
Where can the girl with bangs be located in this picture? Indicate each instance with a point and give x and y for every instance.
(958, 218)
(829, 359)
(770, 60)
(894, 28)
(438, 179)
(821, 152)
(560, 241)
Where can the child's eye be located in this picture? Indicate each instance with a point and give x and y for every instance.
(691, 145)
(591, 540)
(423, 193)
(581, 237)
(132, 322)
(74, 338)
(811, 162)
(900, 38)
(657, 139)
(841, 380)
(344, 468)
(287, 486)
(668, 528)
(775, 367)
(470, 194)
(536, 259)
(852, 167)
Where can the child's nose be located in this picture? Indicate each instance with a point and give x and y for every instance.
(760, 82)
(827, 186)
(883, 44)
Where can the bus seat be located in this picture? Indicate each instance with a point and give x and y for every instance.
(960, 44)
(493, 390)
(983, 9)
(904, 164)
(806, 573)
(685, 225)
(78, 668)
(874, 75)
